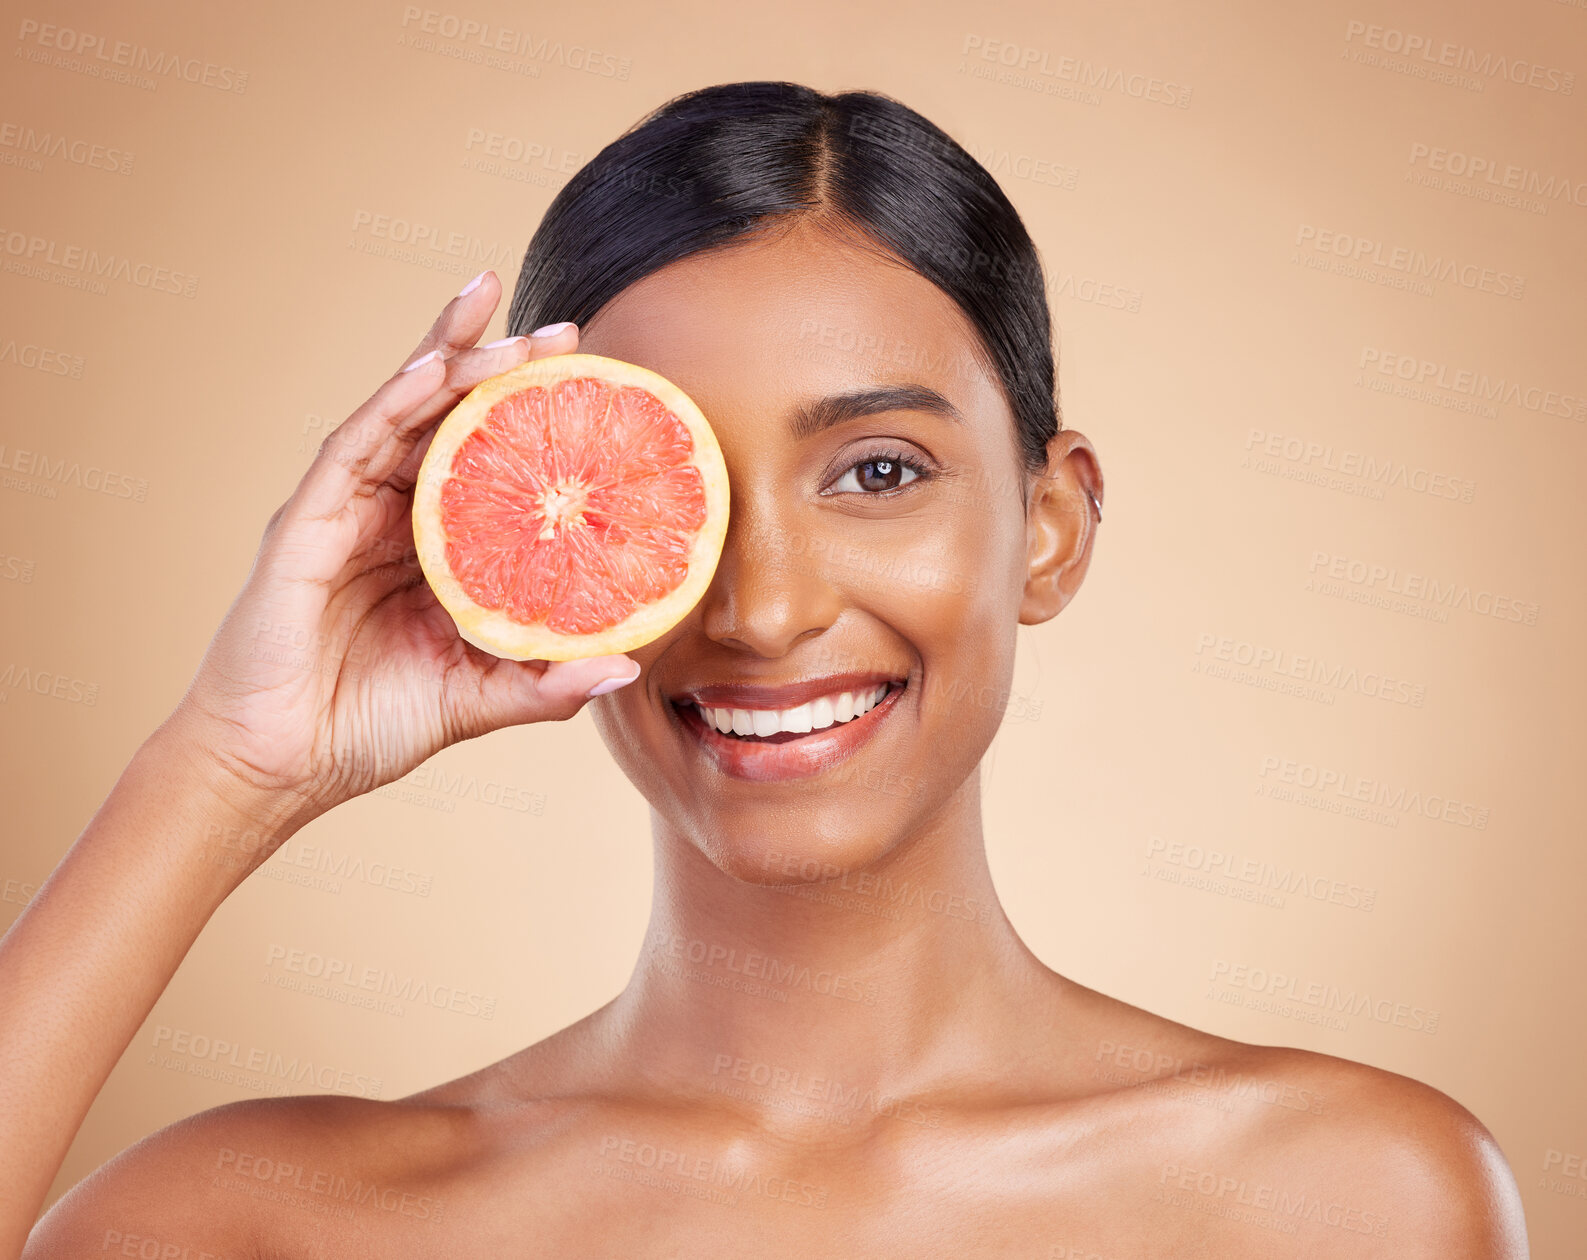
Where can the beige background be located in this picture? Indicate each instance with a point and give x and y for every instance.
(1130, 737)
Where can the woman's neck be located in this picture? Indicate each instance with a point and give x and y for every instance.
(900, 978)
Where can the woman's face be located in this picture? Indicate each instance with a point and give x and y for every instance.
(869, 545)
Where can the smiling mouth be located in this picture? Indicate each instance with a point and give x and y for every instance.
(781, 726)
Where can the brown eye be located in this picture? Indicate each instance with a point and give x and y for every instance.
(877, 475)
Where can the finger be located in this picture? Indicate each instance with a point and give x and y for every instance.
(462, 321)
(359, 454)
(402, 458)
(406, 474)
(513, 693)
(574, 680)
(339, 474)
(380, 439)
(374, 466)
(339, 471)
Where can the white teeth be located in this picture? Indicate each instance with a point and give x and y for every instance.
(817, 715)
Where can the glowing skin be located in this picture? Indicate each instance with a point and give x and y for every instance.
(923, 1085)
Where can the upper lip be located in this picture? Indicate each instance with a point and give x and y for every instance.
(787, 696)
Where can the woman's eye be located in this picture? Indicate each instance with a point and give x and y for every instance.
(875, 475)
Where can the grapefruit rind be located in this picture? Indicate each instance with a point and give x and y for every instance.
(492, 630)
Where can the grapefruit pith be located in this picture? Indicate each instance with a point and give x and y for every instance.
(573, 506)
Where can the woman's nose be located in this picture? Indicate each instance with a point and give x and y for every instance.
(769, 591)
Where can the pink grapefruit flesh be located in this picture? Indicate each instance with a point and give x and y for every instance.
(573, 506)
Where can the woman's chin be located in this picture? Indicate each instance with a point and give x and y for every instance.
(797, 863)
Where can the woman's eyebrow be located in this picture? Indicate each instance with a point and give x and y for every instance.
(811, 418)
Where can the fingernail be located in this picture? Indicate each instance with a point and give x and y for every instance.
(419, 363)
(550, 330)
(471, 285)
(505, 341)
(611, 684)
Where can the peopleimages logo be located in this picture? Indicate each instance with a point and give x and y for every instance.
(1260, 657)
(486, 38)
(1042, 67)
(52, 472)
(883, 888)
(728, 1176)
(1261, 873)
(1287, 1204)
(350, 1192)
(776, 1079)
(99, 57)
(1388, 579)
(1432, 374)
(43, 682)
(1323, 996)
(1284, 773)
(1413, 263)
(83, 266)
(218, 1052)
(754, 965)
(1379, 474)
(1452, 56)
(1149, 1068)
(41, 358)
(327, 976)
(406, 240)
(1510, 177)
(32, 145)
(1564, 1172)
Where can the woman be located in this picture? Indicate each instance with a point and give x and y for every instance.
(834, 1043)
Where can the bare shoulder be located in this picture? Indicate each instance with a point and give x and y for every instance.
(223, 1182)
(1379, 1162)
(1442, 1183)
(309, 1175)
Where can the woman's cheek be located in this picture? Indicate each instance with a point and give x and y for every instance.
(909, 559)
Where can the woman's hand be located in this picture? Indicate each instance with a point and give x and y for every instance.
(336, 670)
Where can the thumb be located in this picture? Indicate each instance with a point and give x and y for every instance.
(577, 681)
(513, 693)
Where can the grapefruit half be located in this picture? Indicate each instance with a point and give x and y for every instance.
(573, 506)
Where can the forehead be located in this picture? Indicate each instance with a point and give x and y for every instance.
(794, 314)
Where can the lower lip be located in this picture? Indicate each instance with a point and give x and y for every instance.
(762, 762)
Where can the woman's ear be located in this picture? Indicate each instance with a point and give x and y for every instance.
(1060, 526)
